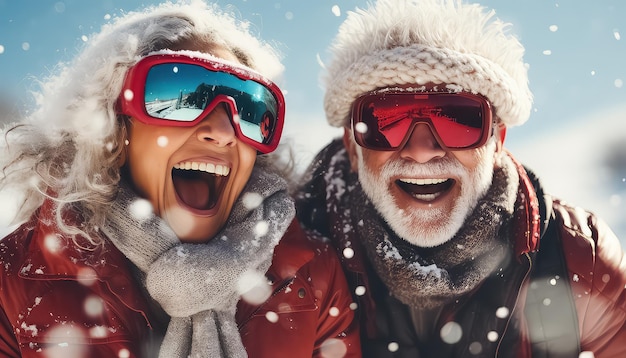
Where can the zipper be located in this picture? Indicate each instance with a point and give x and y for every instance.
(512, 313)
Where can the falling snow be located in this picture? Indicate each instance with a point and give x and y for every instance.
(502, 312)
(333, 311)
(450, 333)
(260, 229)
(254, 287)
(252, 200)
(271, 316)
(140, 209)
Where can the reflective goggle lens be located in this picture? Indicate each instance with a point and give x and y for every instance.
(181, 92)
(383, 121)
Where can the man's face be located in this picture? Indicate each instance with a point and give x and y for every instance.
(422, 191)
(192, 176)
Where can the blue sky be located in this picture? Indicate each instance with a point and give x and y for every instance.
(576, 50)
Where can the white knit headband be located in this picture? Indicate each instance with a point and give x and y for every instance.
(419, 64)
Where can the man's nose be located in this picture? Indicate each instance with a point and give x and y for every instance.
(422, 146)
(216, 128)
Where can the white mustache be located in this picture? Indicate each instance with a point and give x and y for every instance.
(445, 167)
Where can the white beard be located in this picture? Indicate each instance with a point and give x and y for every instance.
(429, 227)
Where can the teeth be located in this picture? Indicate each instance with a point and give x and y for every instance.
(204, 167)
(423, 181)
(426, 197)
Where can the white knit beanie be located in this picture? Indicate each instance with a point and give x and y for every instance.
(447, 42)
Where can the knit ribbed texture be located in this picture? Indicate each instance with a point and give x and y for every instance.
(142, 238)
(197, 284)
(416, 42)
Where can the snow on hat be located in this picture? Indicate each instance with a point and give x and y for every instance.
(448, 42)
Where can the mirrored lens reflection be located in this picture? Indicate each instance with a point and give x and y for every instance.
(181, 92)
(457, 120)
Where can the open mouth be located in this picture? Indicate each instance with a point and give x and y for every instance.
(425, 189)
(199, 185)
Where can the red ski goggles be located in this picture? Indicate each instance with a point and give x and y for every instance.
(180, 91)
(384, 120)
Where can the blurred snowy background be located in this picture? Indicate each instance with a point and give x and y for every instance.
(575, 139)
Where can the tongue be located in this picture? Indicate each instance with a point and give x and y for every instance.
(194, 189)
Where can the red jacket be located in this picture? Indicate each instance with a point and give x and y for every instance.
(312, 301)
(56, 297)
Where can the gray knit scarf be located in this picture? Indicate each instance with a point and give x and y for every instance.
(430, 277)
(197, 284)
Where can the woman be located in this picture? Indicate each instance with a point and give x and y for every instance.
(152, 217)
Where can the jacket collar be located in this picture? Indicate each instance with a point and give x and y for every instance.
(527, 216)
(293, 251)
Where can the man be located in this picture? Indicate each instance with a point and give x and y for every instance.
(450, 245)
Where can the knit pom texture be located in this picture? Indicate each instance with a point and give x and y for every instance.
(450, 43)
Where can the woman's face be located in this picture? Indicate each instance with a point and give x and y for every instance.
(192, 176)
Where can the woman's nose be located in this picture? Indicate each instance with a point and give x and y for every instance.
(216, 128)
(422, 146)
